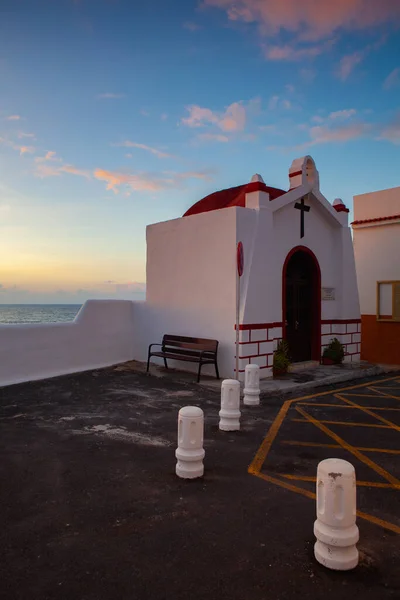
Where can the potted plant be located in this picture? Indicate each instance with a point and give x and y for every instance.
(333, 354)
(281, 361)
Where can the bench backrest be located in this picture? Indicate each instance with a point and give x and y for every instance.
(186, 345)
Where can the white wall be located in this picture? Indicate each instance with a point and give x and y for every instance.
(377, 252)
(102, 334)
(384, 203)
(268, 235)
(191, 275)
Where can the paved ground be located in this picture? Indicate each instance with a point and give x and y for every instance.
(91, 508)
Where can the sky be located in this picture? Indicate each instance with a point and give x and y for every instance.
(115, 114)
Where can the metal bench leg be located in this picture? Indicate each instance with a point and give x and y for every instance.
(165, 363)
(198, 375)
(148, 363)
(216, 369)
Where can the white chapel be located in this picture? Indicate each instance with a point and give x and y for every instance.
(298, 282)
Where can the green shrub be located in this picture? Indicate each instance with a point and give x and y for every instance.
(334, 351)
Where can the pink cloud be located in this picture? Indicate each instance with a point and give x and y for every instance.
(191, 26)
(391, 132)
(313, 19)
(13, 118)
(392, 80)
(26, 150)
(233, 119)
(49, 156)
(343, 114)
(213, 137)
(348, 64)
(293, 53)
(322, 135)
(158, 153)
(145, 182)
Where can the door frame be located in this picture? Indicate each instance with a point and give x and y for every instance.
(316, 328)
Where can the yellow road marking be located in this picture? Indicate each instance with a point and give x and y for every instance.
(367, 461)
(377, 395)
(369, 412)
(360, 483)
(345, 405)
(315, 445)
(348, 423)
(265, 447)
(263, 450)
(312, 496)
(387, 395)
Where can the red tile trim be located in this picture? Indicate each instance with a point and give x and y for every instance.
(250, 326)
(339, 321)
(376, 220)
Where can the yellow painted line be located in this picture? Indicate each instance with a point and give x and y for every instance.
(369, 412)
(263, 450)
(286, 485)
(312, 496)
(348, 423)
(376, 484)
(346, 405)
(367, 461)
(377, 395)
(385, 394)
(315, 445)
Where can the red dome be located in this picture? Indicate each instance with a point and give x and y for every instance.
(235, 196)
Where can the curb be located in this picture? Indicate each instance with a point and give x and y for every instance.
(299, 388)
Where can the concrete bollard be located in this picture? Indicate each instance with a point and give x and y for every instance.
(335, 528)
(230, 404)
(190, 451)
(252, 385)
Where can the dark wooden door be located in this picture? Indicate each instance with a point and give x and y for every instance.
(299, 307)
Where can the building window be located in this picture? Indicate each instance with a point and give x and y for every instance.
(388, 301)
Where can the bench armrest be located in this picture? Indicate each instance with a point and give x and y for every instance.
(151, 345)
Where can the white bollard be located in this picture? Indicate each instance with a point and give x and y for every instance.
(252, 385)
(190, 451)
(335, 528)
(230, 404)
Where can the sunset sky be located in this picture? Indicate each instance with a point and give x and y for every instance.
(115, 114)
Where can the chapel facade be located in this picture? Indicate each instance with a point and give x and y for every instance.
(298, 282)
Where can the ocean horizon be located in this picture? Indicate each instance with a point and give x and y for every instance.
(38, 313)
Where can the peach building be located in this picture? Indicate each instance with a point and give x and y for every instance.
(376, 237)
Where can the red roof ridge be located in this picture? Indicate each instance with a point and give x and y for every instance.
(376, 220)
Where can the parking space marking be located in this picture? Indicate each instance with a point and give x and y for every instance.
(315, 445)
(367, 461)
(359, 483)
(345, 405)
(347, 423)
(368, 412)
(285, 480)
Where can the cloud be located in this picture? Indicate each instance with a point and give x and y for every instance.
(145, 182)
(26, 150)
(22, 134)
(233, 119)
(158, 153)
(213, 137)
(392, 80)
(307, 75)
(391, 132)
(13, 118)
(111, 96)
(278, 102)
(348, 64)
(310, 19)
(342, 114)
(164, 117)
(50, 155)
(44, 169)
(191, 26)
(294, 53)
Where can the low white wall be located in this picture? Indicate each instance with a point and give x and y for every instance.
(101, 335)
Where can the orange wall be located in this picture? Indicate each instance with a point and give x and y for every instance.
(380, 341)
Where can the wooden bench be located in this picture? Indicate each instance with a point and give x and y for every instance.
(189, 349)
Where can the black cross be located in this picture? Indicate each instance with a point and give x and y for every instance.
(304, 208)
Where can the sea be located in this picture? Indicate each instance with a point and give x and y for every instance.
(38, 313)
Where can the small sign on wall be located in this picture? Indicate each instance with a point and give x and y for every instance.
(328, 293)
